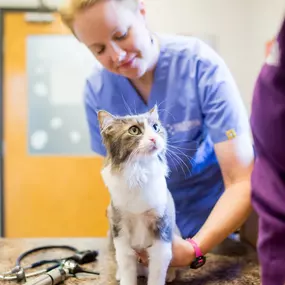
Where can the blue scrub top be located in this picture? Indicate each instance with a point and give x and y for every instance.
(199, 105)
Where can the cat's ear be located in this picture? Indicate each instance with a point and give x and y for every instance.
(154, 112)
(104, 118)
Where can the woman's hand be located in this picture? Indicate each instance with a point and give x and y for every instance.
(182, 250)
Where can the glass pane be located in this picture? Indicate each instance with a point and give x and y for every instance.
(57, 67)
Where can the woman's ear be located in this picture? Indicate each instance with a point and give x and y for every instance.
(142, 7)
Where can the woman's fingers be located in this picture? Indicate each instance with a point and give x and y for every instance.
(142, 257)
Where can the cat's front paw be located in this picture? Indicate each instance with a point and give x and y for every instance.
(125, 278)
(171, 274)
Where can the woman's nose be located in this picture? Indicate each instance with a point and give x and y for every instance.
(117, 54)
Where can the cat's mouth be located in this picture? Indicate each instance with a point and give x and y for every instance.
(153, 149)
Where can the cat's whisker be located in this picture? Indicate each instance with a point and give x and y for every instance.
(127, 106)
(181, 160)
(158, 105)
(135, 108)
(163, 101)
(170, 156)
(183, 140)
(184, 148)
(168, 113)
(160, 110)
(190, 159)
(181, 152)
(177, 162)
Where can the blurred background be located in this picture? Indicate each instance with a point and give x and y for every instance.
(50, 179)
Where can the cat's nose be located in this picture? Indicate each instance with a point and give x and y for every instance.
(152, 140)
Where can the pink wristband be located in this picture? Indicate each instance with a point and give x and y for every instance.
(200, 259)
(197, 250)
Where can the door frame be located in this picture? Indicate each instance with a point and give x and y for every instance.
(3, 11)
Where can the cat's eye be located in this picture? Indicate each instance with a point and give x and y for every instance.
(135, 131)
(156, 127)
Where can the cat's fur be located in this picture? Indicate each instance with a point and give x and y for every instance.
(141, 214)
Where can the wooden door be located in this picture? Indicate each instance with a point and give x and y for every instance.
(52, 194)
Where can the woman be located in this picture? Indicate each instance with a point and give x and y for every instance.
(268, 178)
(199, 105)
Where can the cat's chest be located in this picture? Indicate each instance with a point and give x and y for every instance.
(138, 199)
(136, 192)
(141, 229)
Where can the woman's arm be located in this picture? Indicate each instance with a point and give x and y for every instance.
(234, 206)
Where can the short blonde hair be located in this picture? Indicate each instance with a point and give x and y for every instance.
(71, 7)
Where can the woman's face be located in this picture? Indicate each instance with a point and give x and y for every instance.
(117, 36)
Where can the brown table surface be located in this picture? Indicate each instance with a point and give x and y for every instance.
(231, 263)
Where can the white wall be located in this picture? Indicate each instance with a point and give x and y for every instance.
(267, 18)
(241, 28)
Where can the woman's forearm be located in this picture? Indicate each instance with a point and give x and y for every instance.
(229, 213)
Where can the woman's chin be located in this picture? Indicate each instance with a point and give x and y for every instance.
(132, 72)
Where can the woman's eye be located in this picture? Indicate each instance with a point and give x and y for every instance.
(156, 127)
(134, 130)
(100, 51)
(122, 36)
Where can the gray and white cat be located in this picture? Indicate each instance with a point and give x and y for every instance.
(141, 213)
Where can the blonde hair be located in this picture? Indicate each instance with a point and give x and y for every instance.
(71, 7)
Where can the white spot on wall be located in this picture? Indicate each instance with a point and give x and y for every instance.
(40, 89)
(75, 137)
(39, 70)
(56, 123)
(39, 139)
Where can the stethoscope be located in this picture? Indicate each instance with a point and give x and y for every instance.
(55, 273)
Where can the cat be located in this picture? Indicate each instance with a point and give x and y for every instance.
(141, 213)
